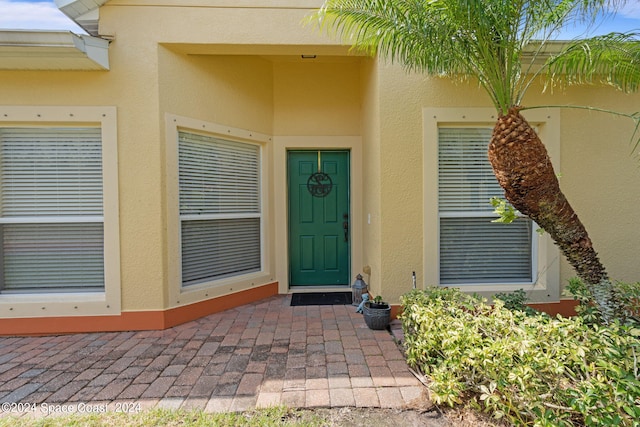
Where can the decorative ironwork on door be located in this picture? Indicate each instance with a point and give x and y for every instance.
(319, 183)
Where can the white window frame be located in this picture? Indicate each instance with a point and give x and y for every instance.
(545, 256)
(108, 301)
(179, 294)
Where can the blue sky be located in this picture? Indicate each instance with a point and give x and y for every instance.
(34, 15)
(628, 18)
(44, 15)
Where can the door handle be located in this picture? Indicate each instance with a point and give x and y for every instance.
(345, 227)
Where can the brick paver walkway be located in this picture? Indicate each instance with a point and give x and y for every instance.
(262, 354)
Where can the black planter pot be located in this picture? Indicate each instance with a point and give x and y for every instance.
(377, 315)
(379, 305)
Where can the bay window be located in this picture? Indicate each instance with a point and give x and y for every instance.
(220, 210)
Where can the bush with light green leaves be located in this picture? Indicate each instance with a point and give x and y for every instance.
(628, 294)
(528, 370)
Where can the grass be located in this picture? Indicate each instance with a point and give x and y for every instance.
(276, 416)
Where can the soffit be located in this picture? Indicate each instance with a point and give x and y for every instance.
(84, 12)
(271, 52)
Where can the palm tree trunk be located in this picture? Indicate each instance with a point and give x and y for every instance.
(522, 166)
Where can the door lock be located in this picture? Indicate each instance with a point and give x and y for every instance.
(345, 227)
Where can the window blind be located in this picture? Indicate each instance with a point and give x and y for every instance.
(220, 212)
(52, 257)
(476, 250)
(218, 176)
(219, 248)
(51, 172)
(473, 250)
(466, 180)
(51, 221)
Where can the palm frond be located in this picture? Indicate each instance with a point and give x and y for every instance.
(472, 39)
(410, 32)
(552, 16)
(612, 59)
(460, 39)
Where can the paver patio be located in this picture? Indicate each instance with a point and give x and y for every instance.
(261, 354)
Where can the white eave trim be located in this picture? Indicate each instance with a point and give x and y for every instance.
(52, 50)
(85, 13)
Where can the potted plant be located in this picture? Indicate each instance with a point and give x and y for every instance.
(377, 313)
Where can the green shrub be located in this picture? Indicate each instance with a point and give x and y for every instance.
(516, 300)
(529, 370)
(627, 293)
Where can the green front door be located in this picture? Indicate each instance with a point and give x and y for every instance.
(319, 217)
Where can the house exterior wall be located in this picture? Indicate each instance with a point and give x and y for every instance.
(596, 168)
(600, 177)
(200, 86)
(317, 98)
(372, 161)
(235, 69)
(218, 72)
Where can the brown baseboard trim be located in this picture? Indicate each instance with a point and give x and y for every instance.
(179, 315)
(395, 311)
(133, 320)
(565, 307)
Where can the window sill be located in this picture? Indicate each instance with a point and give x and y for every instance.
(57, 304)
(217, 288)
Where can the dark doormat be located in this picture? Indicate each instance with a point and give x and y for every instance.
(321, 298)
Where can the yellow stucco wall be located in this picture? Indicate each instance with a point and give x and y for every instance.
(241, 68)
(602, 179)
(139, 160)
(372, 161)
(599, 176)
(317, 97)
(200, 86)
(221, 63)
(200, 73)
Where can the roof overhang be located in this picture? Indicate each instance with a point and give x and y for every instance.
(84, 12)
(52, 50)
